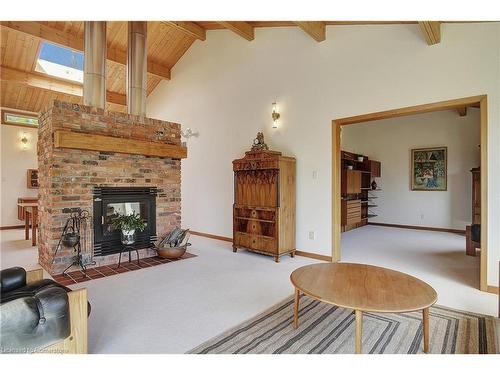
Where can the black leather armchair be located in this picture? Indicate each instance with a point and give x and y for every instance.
(41, 315)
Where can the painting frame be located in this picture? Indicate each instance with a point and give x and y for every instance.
(429, 169)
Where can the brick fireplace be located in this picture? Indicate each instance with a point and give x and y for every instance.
(73, 166)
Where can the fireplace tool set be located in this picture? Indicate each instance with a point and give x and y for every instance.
(76, 234)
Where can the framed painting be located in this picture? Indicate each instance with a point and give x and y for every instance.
(429, 169)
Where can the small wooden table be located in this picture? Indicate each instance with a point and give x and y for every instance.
(31, 212)
(362, 287)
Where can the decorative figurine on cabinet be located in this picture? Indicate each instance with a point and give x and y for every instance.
(258, 143)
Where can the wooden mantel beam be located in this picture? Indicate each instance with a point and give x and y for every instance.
(431, 31)
(43, 82)
(189, 28)
(40, 31)
(315, 29)
(243, 29)
(96, 142)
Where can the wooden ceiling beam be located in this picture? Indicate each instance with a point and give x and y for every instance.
(243, 29)
(315, 29)
(431, 31)
(40, 81)
(189, 28)
(40, 31)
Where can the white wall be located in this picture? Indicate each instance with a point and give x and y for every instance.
(390, 141)
(223, 88)
(14, 165)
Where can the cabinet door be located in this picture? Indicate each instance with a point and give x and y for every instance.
(375, 168)
(353, 182)
(257, 188)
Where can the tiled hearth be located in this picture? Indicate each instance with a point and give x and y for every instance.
(75, 277)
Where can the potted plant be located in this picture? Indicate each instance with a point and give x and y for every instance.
(128, 224)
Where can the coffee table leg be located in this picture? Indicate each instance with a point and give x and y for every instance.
(359, 330)
(425, 318)
(296, 309)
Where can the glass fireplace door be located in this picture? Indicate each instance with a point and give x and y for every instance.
(113, 210)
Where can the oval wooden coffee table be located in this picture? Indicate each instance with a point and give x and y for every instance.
(362, 287)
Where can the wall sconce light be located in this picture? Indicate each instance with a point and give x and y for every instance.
(275, 115)
(189, 133)
(24, 142)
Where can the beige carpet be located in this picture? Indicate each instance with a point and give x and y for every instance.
(328, 329)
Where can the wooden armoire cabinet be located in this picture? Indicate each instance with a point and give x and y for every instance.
(264, 203)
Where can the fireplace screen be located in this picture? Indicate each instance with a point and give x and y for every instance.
(110, 203)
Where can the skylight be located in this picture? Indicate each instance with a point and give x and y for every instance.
(60, 62)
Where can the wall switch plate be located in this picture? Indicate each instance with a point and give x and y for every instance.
(315, 175)
(311, 235)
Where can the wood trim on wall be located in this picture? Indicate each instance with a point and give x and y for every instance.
(297, 252)
(493, 289)
(479, 100)
(483, 263)
(212, 236)
(336, 184)
(418, 227)
(7, 227)
(412, 110)
(306, 254)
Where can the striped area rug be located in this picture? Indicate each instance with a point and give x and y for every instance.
(324, 328)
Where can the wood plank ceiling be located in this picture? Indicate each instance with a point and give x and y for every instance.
(24, 89)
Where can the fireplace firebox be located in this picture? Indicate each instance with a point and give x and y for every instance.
(109, 203)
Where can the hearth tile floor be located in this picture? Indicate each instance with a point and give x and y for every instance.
(75, 277)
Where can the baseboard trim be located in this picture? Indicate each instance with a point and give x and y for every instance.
(417, 227)
(7, 227)
(492, 289)
(306, 254)
(297, 252)
(212, 236)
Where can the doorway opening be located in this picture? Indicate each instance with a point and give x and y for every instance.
(455, 104)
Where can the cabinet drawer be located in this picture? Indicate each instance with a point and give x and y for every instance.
(354, 214)
(255, 164)
(255, 213)
(353, 219)
(255, 242)
(353, 203)
(353, 211)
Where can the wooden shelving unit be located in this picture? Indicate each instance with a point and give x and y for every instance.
(356, 190)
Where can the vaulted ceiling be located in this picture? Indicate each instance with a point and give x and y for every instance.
(24, 89)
